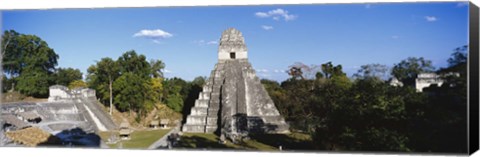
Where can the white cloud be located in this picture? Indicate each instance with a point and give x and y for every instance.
(213, 42)
(265, 27)
(276, 15)
(153, 34)
(278, 71)
(261, 14)
(167, 71)
(289, 17)
(203, 42)
(431, 18)
(277, 12)
(262, 70)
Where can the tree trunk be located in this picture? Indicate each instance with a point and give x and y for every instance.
(111, 99)
(13, 87)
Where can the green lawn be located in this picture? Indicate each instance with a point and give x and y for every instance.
(264, 142)
(138, 139)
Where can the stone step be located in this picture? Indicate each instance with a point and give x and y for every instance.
(212, 120)
(214, 104)
(193, 128)
(204, 95)
(196, 120)
(207, 89)
(215, 96)
(210, 128)
(214, 100)
(201, 103)
(213, 109)
(198, 111)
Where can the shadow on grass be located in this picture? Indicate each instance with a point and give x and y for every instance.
(199, 142)
(75, 137)
(293, 141)
(262, 142)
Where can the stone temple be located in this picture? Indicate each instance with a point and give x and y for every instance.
(233, 101)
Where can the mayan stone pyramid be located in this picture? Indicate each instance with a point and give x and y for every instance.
(233, 101)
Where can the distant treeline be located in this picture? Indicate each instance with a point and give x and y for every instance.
(131, 83)
(367, 113)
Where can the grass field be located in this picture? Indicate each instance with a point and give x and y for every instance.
(138, 139)
(264, 142)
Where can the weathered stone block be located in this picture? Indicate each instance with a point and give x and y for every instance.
(197, 120)
(193, 128)
(198, 111)
(201, 103)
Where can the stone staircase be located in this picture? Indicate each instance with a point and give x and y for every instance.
(204, 115)
(236, 81)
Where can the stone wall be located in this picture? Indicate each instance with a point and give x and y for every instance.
(58, 92)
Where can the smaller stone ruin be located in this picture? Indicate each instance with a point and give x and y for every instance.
(59, 93)
(73, 116)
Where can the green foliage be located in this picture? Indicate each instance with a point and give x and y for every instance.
(175, 102)
(372, 71)
(459, 56)
(199, 81)
(34, 83)
(64, 76)
(77, 84)
(134, 83)
(176, 91)
(6, 83)
(156, 89)
(156, 68)
(330, 71)
(29, 62)
(128, 89)
(368, 114)
(368, 119)
(12, 53)
(136, 64)
(101, 77)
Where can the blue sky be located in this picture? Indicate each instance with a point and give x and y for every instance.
(186, 38)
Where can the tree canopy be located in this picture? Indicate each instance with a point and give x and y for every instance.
(29, 62)
(366, 113)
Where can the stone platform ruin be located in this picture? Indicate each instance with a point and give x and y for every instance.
(72, 115)
(233, 102)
